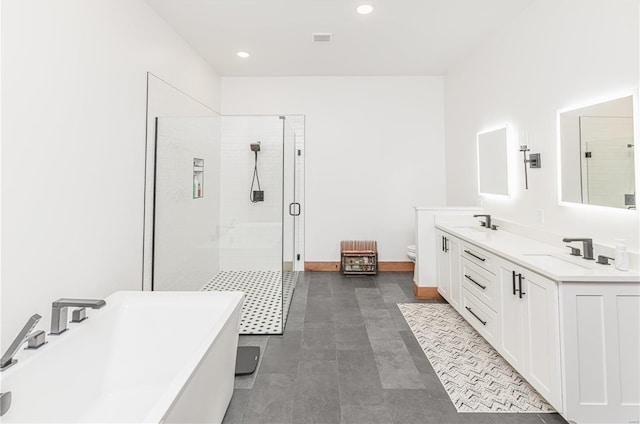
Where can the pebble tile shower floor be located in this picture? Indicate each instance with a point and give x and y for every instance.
(348, 356)
(268, 295)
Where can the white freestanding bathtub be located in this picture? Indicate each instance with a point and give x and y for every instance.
(144, 357)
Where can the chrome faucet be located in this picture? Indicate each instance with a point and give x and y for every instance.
(486, 222)
(24, 335)
(587, 245)
(59, 311)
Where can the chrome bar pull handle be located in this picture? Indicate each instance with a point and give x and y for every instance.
(476, 316)
(475, 256)
(475, 282)
(521, 293)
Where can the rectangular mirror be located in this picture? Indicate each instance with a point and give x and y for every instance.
(597, 154)
(493, 169)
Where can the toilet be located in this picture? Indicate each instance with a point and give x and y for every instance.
(411, 252)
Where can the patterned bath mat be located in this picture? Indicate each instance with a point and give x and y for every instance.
(475, 376)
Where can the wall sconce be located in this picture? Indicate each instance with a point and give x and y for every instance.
(534, 161)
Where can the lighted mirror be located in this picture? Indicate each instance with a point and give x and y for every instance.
(493, 170)
(597, 154)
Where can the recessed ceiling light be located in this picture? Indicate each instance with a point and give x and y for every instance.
(243, 55)
(364, 9)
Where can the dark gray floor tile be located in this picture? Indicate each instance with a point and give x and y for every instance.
(512, 418)
(318, 289)
(369, 298)
(318, 341)
(282, 354)
(345, 340)
(352, 338)
(395, 365)
(367, 414)
(318, 305)
(317, 398)
(348, 319)
(417, 354)
(323, 316)
(323, 407)
(271, 400)
(398, 318)
(552, 419)
(295, 321)
(435, 388)
(410, 407)
(359, 381)
(392, 293)
(380, 325)
(345, 303)
(237, 407)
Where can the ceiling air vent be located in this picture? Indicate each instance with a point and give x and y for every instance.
(321, 37)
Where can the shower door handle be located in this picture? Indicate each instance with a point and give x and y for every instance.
(293, 207)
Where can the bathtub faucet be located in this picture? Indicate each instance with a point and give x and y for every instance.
(59, 311)
(24, 335)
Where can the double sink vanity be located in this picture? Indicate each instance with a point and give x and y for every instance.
(569, 326)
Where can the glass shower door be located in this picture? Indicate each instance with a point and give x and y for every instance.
(290, 215)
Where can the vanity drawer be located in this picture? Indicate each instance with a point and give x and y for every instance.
(480, 257)
(480, 316)
(480, 282)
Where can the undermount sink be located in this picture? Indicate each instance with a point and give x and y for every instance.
(555, 263)
(479, 229)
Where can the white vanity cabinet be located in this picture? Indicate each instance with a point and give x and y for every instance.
(570, 327)
(448, 268)
(601, 347)
(479, 291)
(530, 329)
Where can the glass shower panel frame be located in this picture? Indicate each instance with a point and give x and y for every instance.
(290, 213)
(185, 214)
(210, 233)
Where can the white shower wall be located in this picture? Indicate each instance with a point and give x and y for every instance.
(250, 233)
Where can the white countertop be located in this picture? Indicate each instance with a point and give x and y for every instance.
(551, 261)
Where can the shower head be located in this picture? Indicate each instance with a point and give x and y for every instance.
(524, 148)
(255, 147)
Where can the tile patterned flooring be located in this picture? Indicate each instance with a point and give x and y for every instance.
(268, 297)
(348, 356)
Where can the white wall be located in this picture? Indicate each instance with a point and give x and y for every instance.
(558, 53)
(73, 155)
(374, 149)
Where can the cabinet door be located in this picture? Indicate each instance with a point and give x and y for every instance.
(543, 337)
(444, 265)
(455, 283)
(512, 318)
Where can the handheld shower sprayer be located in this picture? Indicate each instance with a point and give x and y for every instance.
(256, 196)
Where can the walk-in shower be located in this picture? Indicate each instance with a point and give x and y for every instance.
(208, 234)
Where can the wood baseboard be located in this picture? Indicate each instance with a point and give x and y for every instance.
(402, 266)
(322, 266)
(426, 293)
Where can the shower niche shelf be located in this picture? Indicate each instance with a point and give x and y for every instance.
(198, 178)
(358, 257)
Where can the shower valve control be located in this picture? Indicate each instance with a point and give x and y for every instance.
(258, 195)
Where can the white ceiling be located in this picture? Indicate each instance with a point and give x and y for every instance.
(400, 37)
